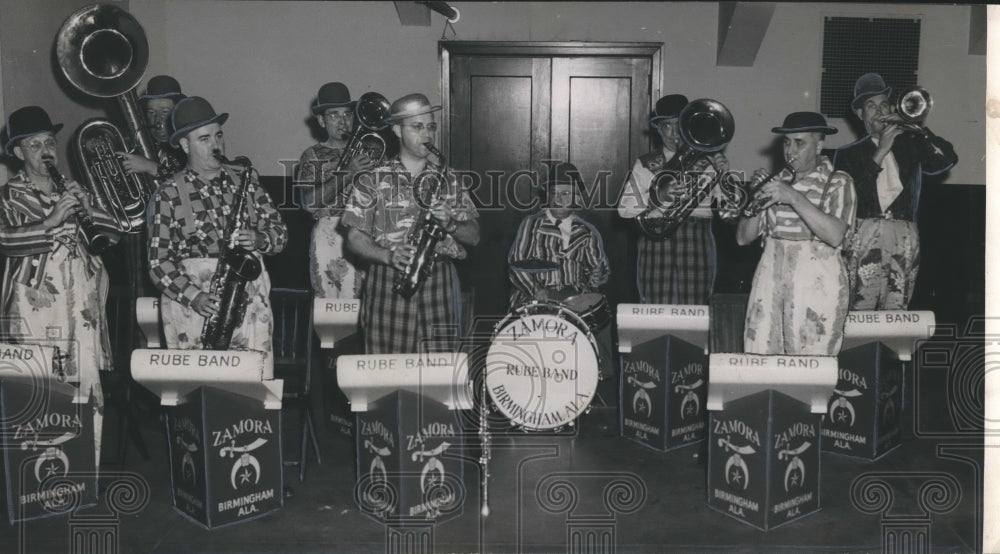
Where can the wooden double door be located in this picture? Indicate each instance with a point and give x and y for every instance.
(512, 108)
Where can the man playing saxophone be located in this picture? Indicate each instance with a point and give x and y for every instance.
(382, 211)
(188, 217)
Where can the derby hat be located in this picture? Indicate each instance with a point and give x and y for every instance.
(409, 106)
(868, 85)
(805, 122)
(191, 113)
(331, 95)
(669, 107)
(25, 122)
(163, 86)
(563, 173)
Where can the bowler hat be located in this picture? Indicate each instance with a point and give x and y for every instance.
(805, 122)
(409, 106)
(331, 95)
(191, 113)
(563, 173)
(868, 85)
(25, 122)
(669, 107)
(163, 86)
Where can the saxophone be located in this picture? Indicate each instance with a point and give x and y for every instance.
(425, 234)
(235, 269)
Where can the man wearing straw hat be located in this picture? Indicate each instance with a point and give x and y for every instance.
(380, 215)
(887, 167)
(798, 300)
(188, 218)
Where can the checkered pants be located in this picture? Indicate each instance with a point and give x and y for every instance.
(679, 269)
(427, 322)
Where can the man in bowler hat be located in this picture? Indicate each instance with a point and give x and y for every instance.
(382, 218)
(189, 218)
(887, 166)
(325, 192)
(679, 269)
(162, 94)
(798, 300)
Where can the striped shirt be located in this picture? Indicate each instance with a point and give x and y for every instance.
(833, 192)
(582, 263)
(24, 240)
(192, 227)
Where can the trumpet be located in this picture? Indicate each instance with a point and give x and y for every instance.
(370, 113)
(95, 241)
(912, 107)
(755, 205)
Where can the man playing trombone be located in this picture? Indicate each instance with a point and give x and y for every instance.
(325, 192)
(679, 268)
(887, 166)
(385, 212)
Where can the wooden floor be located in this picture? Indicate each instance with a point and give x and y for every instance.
(549, 492)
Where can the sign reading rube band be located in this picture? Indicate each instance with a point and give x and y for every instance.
(408, 460)
(897, 329)
(764, 459)
(225, 457)
(639, 323)
(186, 360)
(664, 386)
(334, 319)
(440, 376)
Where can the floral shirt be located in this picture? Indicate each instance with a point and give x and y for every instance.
(24, 240)
(832, 191)
(383, 205)
(192, 226)
(317, 166)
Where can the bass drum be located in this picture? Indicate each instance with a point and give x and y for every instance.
(542, 366)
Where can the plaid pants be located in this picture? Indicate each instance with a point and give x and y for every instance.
(426, 322)
(679, 269)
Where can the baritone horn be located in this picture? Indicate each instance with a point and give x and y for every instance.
(706, 126)
(102, 50)
(370, 115)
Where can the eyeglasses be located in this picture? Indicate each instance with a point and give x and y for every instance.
(36, 145)
(335, 115)
(419, 127)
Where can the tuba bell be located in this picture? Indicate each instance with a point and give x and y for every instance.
(370, 114)
(102, 50)
(705, 126)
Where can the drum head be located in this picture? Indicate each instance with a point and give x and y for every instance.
(542, 368)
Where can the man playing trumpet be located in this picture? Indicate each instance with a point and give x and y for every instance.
(188, 219)
(797, 303)
(887, 165)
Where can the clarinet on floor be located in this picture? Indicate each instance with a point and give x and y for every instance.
(484, 448)
(93, 239)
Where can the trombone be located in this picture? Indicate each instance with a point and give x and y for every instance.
(912, 107)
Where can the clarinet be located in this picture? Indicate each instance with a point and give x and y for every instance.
(484, 449)
(95, 241)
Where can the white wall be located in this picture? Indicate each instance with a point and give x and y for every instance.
(263, 61)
